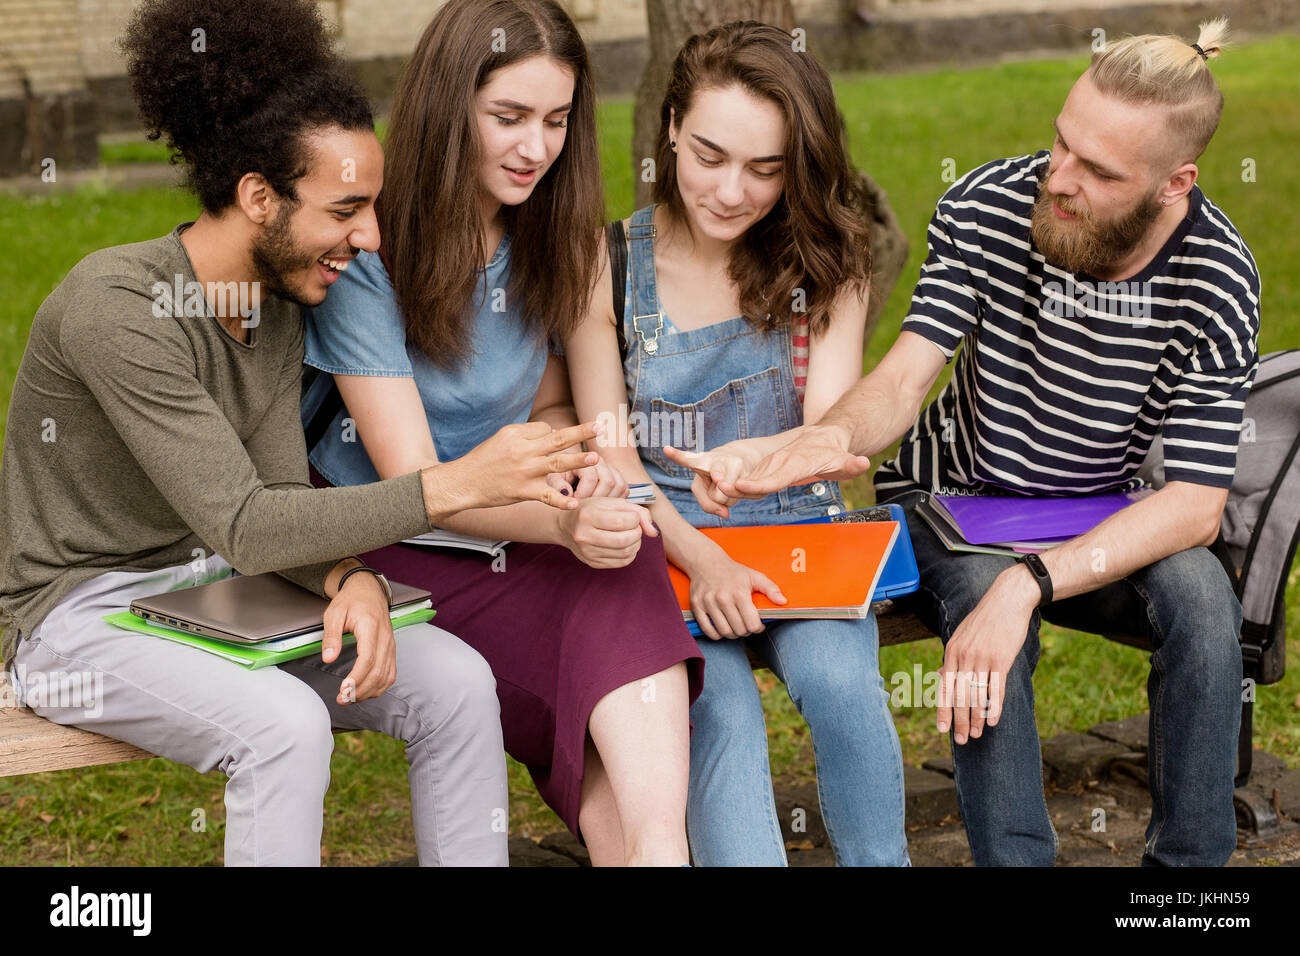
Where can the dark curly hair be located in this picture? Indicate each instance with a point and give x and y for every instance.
(234, 86)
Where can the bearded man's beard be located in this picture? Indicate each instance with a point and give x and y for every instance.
(1084, 244)
(277, 255)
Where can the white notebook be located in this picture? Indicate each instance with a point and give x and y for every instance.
(641, 494)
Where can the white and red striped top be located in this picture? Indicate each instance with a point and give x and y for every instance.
(799, 341)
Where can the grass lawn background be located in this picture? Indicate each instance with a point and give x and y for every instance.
(903, 128)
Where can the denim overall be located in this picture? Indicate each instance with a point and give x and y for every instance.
(696, 390)
(699, 389)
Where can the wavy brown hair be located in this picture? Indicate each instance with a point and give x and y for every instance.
(429, 215)
(814, 238)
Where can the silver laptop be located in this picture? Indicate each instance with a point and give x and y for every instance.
(251, 608)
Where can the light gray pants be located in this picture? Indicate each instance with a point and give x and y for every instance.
(269, 730)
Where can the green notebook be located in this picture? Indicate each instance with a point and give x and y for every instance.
(247, 655)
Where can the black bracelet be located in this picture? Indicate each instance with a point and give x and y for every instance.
(1039, 570)
(383, 581)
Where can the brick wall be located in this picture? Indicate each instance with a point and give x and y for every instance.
(65, 50)
(100, 21)
(46, 111)
(61, 42)
(376, 29)
(39, 42)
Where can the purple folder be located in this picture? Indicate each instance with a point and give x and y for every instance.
(999, 519)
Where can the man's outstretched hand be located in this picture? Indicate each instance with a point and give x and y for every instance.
(733, 471)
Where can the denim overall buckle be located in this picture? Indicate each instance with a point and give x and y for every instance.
(651, 344)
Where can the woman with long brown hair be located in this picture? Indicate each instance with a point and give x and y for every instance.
(490, 222)
(744, 308)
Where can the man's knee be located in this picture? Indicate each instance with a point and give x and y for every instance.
(1194, 607)
(294, 727)
(445, 677)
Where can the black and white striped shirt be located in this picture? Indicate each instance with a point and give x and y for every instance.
(1064, 380)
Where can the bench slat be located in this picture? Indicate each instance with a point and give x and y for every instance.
(894, 627)
(31, 744)
(898, 628)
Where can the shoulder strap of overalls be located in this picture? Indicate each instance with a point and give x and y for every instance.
(645, 296)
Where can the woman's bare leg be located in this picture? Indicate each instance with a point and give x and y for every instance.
(642, 734)
(598, 814)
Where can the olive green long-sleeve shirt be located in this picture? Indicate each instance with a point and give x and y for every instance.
(139, 439)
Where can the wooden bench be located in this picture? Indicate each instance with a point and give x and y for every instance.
(31, 744)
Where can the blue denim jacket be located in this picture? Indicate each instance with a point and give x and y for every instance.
(702, 388)
(359, 330)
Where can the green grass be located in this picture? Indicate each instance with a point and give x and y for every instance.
(126, 151)
(902, 128)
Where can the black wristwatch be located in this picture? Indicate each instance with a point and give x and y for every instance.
(383, 581)
(1039, 570)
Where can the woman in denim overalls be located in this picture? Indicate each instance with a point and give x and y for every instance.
(698, 375)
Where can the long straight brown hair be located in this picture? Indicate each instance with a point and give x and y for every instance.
(814, 238)
(429, 214)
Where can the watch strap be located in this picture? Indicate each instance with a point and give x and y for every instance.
(1039, 570)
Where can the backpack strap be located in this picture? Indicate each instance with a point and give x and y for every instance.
(325, 412)
(617, 241)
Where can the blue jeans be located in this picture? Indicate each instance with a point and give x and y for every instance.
(1185, 607)
(831, 672)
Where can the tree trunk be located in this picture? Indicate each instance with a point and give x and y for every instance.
(671, 23)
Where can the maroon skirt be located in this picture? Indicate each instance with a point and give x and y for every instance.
(558, 635)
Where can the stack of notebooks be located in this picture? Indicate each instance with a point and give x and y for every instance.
(825, 570)
(253, 620)
(1014, 524)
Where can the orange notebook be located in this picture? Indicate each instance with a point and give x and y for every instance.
(824, 570)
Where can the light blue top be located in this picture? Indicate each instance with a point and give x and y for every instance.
(359, 330)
